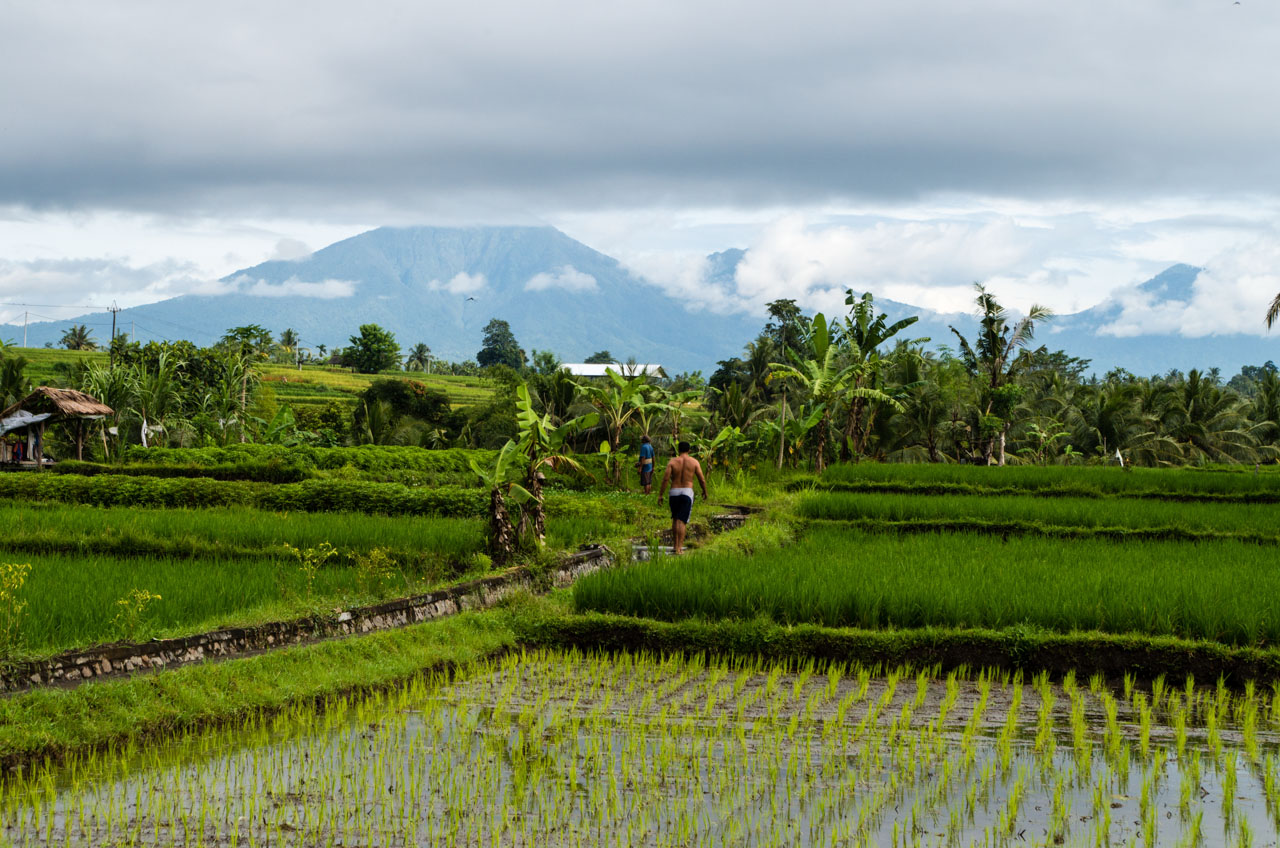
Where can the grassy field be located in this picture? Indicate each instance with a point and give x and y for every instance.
(224, 532)
(1053, 480)
(1255, 520)
(1221, 591)
(314, 385)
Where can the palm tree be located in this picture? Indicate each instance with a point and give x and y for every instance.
(991, 357)
(418, 359)
(1210, 422)
(155, 394)
(78, 338)
(14, 384)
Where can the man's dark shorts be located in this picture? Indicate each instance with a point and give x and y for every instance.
(646, 476)
(681, 508)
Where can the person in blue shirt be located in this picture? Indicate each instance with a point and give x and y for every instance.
(645, 464)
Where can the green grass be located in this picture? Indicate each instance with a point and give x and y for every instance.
(1222, 591)
(44, 361)
(224, 532)
(1084, 482)
(1210, 518)
(72, 599)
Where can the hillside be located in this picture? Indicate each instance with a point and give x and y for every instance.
(442, 285)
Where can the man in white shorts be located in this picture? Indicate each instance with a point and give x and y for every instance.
(679, 475)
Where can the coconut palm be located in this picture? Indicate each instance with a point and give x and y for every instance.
(155, 395)
(78, 338)
(14, 384)
(419, 358)
(991, 358)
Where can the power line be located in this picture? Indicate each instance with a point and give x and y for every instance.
(56, 305)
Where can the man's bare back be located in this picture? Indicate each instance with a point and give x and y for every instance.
(681, 473)
(679, 476)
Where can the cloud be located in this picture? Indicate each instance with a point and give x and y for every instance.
(1230, 295)
(891, 100)
(291, 250)
(462, 283)
(293, 287)
(927, 262)
(566, 277)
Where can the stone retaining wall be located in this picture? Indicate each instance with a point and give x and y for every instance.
(126, 658)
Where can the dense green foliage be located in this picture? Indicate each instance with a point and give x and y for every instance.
(373, 350)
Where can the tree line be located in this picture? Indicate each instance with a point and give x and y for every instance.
(808, 390)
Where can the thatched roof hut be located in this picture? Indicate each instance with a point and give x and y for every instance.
(60, 403)
(47, 405)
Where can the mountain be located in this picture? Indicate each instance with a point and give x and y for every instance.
(442, 285)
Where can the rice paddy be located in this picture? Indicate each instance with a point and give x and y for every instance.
(1092, 481)
(571, 750)
(1224, 591)
(1243, 519)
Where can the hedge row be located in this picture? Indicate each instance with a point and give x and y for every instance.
(363, 458)
(263, 471)
(307, 496)
(1026, 648)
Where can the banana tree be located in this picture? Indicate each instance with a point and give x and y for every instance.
(543, 445)
(817, 371)
(617, 402)
(865, 331)
(499, 479)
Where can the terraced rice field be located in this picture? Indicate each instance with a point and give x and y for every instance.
(572, 750)
(1258, 521)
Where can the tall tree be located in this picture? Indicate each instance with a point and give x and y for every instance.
(865, 332)
(816, 369)
(419, 357)
(600, 357)
(78, 338)
(374, 350)
(991, 357)
(500, 346)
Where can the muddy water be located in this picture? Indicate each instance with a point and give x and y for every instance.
(566, 750)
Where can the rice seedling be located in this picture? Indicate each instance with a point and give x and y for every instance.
(573, 749)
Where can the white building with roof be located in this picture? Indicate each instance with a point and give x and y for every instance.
(594, 369)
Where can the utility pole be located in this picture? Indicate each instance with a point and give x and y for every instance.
(111, 356)
(25, 316)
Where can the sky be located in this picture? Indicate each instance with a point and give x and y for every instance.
(1059, 153)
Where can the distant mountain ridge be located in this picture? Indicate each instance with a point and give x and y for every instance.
(441, 285)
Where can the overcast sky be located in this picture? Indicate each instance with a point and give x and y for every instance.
(1059, 152)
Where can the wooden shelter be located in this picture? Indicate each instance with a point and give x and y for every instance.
(47, 405)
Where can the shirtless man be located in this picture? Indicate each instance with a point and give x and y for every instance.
(680, 474)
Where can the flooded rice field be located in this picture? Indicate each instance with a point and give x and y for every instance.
(554, 749)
